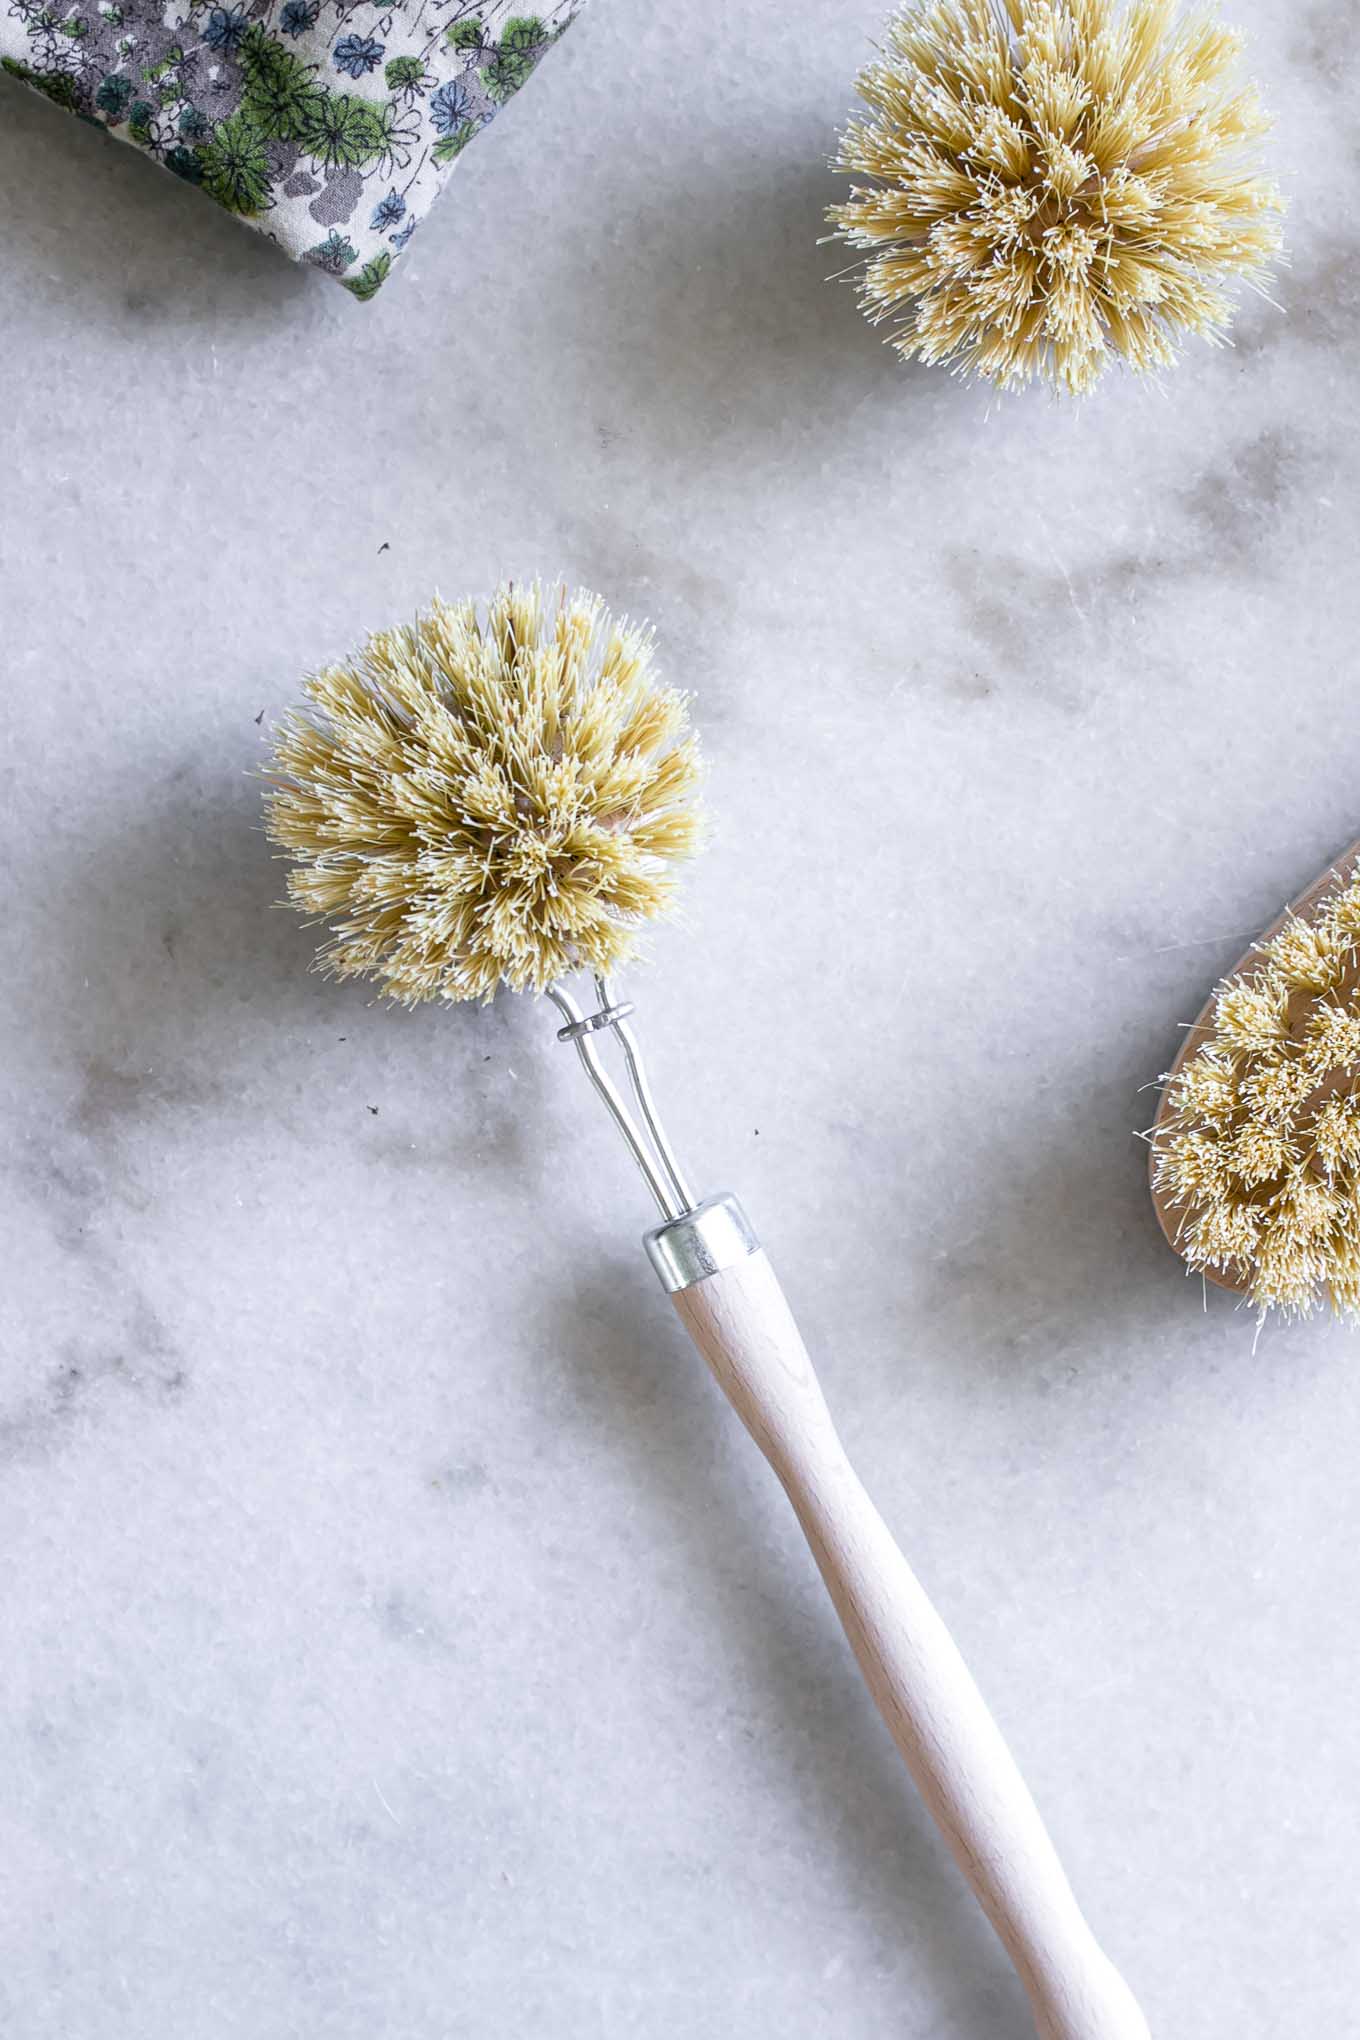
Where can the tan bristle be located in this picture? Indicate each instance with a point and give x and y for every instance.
(475, 803)
(1256, 1152)
(1056, 185)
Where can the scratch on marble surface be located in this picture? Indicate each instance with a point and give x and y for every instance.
(383, 1802)
(1225, 522)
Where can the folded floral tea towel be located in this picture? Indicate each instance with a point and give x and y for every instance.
(328, 124)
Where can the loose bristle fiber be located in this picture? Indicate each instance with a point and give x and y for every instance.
(1257, 1147)
(1057, 186)
(474, 803)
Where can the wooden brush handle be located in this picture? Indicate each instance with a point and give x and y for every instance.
(741, 1324)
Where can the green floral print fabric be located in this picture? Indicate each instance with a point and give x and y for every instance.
(328, 124)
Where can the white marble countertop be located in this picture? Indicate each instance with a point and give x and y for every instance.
(399, 1637)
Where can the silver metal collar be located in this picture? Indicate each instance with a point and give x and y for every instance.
(717, 1234)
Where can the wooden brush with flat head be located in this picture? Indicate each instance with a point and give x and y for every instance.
(1255, 1160)
(476, 801)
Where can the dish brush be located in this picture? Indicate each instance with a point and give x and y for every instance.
(1255, 1163)
(476, 803)
(1055, 186)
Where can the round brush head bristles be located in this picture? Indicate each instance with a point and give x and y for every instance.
(1256, 1151)
(475, 803)
(1056, 185)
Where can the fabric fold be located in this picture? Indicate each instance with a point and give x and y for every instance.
(329, 126)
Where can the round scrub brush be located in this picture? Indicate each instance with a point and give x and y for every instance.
(482, 802)
(1055, 186)
(1256, 1144)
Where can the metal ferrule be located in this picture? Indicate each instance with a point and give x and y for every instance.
(717, 1234)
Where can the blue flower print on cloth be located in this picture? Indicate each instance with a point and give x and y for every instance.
(226, 30)
(358, 55)
(331, 125)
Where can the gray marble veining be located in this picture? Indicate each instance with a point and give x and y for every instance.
(397, 1637)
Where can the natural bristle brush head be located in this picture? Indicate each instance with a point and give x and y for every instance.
(477, 799)
(1055, 185)
(1256, 1145)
